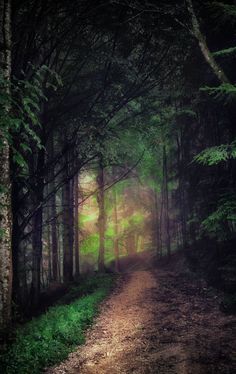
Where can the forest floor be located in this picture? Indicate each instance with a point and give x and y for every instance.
(158, 321)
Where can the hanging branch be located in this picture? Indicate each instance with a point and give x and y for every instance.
(217, 70)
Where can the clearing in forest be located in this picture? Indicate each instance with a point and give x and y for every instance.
(157, 321)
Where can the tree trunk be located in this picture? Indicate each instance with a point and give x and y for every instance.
(181, 192)
(131, 245)
(116, 232)
(157, 223)
(166, 201)
(101, 217)
(20, 292)
(67, 239)
(60, 256)
(76, 224)
(49, 252)
(161, 222)
(67, 250)
(72, 217)
(53, 215)
(16, 238)
(5, 183)
(37, 256)
(37, 222)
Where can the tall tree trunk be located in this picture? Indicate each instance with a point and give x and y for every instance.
(16, 238)
(37, 222)
(60, 256)
(37, 256)
(157, 223)
(116, 231)
(20, 291)
(161, 222)
(5, 183)
(72, 220)
(181, 192)
(101, 217)
(52, 204)
(49, 252)
(67, 250)
(66, 218)
(131, 244)
(76, 225)
(166, 201)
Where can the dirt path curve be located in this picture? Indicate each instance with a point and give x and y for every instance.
(157, 322)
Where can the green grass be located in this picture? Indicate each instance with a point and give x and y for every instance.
(49, 339)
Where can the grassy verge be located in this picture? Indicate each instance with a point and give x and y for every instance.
(49, 339)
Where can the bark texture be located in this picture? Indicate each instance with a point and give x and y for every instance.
(5, 183)
(101, 217)
(166, 202)
(52, 204)
(76, 224)
(116, 233)
(67, 218)
(37, 221)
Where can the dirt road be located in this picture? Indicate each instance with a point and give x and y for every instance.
(157, 322)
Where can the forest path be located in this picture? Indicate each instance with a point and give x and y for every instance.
(157, 322)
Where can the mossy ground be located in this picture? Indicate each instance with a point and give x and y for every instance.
(49, 339)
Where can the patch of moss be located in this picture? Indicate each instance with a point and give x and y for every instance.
(49, 339)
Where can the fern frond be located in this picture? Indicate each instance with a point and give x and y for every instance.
(214, 155)
(225, 92)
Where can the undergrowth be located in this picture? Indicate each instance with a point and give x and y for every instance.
(48, 339)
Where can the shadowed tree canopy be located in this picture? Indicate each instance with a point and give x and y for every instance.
(117, 142)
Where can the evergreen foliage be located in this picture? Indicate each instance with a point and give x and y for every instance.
(215, 155)
(119, 121)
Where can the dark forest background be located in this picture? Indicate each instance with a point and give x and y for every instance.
(117, 135)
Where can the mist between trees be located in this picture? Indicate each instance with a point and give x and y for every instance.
(117, 129)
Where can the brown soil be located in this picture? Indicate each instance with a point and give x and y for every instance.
(158, 322)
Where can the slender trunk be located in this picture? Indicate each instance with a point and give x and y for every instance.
(16, 234)
(116, 232)
(49, 247)
(43, 276)
(54, 238)
(101, 217)
(59, 253)
(37, 222)
(37, 255)
(181, 192)
(161, 221)
(72, 216)
(131, 243)
(67, 223)
(67, 250)
(5, 183)
(76, 224)
(53, 211)
(157, 223)
(166, 201)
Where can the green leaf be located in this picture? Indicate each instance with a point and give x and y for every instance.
(19, 159)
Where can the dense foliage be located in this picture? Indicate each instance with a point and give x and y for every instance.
(118, 128)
